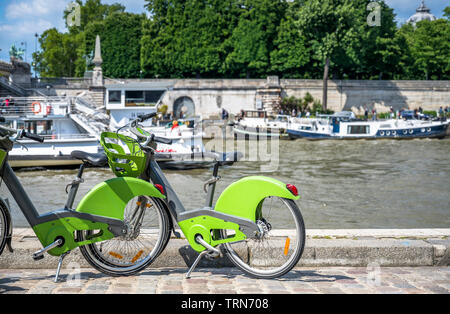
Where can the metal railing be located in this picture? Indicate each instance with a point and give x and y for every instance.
(42, 106)
(43, 82)
(61, 137)
(16, 88)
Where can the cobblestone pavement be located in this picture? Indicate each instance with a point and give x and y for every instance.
(329, 280)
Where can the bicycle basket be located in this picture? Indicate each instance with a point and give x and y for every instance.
(125, 157)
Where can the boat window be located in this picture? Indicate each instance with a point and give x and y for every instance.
(134, 98)
(142, 98)
(114, 96)
(152, 96)
(358, 129)
(43, 127)
(255, 114)
(385, 126)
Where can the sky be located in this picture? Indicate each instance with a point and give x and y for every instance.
(21, 19)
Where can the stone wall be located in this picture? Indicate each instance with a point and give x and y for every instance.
(211, 95)
(355, 95)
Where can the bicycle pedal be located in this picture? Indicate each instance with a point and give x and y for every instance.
(40, 254)
(38, 257)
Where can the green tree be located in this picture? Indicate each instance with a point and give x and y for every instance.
(251, 42)
(428, 44)
(64, 54)
(58, 55)
(447, 12)
(329, 26)
(431, 49)
(120, 35)
(92, 11)
(290, 55)
(185, 38)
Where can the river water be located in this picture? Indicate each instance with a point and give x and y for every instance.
(343, 184)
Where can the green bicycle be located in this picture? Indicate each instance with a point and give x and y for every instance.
(245, 222)
(122, 225)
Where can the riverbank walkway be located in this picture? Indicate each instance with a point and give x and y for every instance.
(334, 261)
(304, 280)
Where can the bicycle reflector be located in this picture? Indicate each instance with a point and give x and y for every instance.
(160, 188)
(292, 189)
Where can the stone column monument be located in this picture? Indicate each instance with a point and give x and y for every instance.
(97, 75)
(97, 88)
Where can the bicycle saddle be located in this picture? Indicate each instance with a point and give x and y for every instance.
(98, 160)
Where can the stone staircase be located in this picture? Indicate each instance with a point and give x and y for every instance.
(8, 88)
(97, 96)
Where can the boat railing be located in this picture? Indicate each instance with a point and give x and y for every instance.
(34, 106)
(48, 137)
(49, 82)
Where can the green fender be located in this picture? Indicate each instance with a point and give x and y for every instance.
(109, 198)
(243, 197)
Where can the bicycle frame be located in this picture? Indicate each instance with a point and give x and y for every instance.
(204, 221)
(60, 224)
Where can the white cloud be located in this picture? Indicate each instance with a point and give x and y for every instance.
(34, 9)
(23, 18)
(25, 28)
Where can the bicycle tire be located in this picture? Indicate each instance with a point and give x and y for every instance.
(4, 227)
(97, 260)
(263, 273)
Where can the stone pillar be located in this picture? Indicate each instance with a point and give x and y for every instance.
(97, 76)
(97, 88)
(270, 95)
(21, 73)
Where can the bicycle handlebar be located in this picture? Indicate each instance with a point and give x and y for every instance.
(21, 133)
(33, 137)
(145, 117)
(162, 140)
(150, 137)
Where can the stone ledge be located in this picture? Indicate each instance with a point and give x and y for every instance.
(416, 247)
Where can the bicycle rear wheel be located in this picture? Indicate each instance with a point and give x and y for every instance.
(280, 244)
(4, 227)
(148, 233)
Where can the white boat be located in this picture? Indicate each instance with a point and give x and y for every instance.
(340, 126)
(187, 147)
(256, 124)
(53, 119)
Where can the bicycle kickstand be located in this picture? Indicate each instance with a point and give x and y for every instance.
(188, 274)
(210, 250)
(58, 270)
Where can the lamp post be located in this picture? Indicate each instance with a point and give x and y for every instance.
(35, 51)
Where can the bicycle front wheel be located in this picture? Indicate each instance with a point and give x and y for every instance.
(280, 244)
(148, 232)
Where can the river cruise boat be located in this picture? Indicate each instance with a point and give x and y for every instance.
(341, 126)
(187, 150)
(125, 103)
(53, 119)
(256, 124)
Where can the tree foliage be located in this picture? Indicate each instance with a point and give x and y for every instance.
(249, 38)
